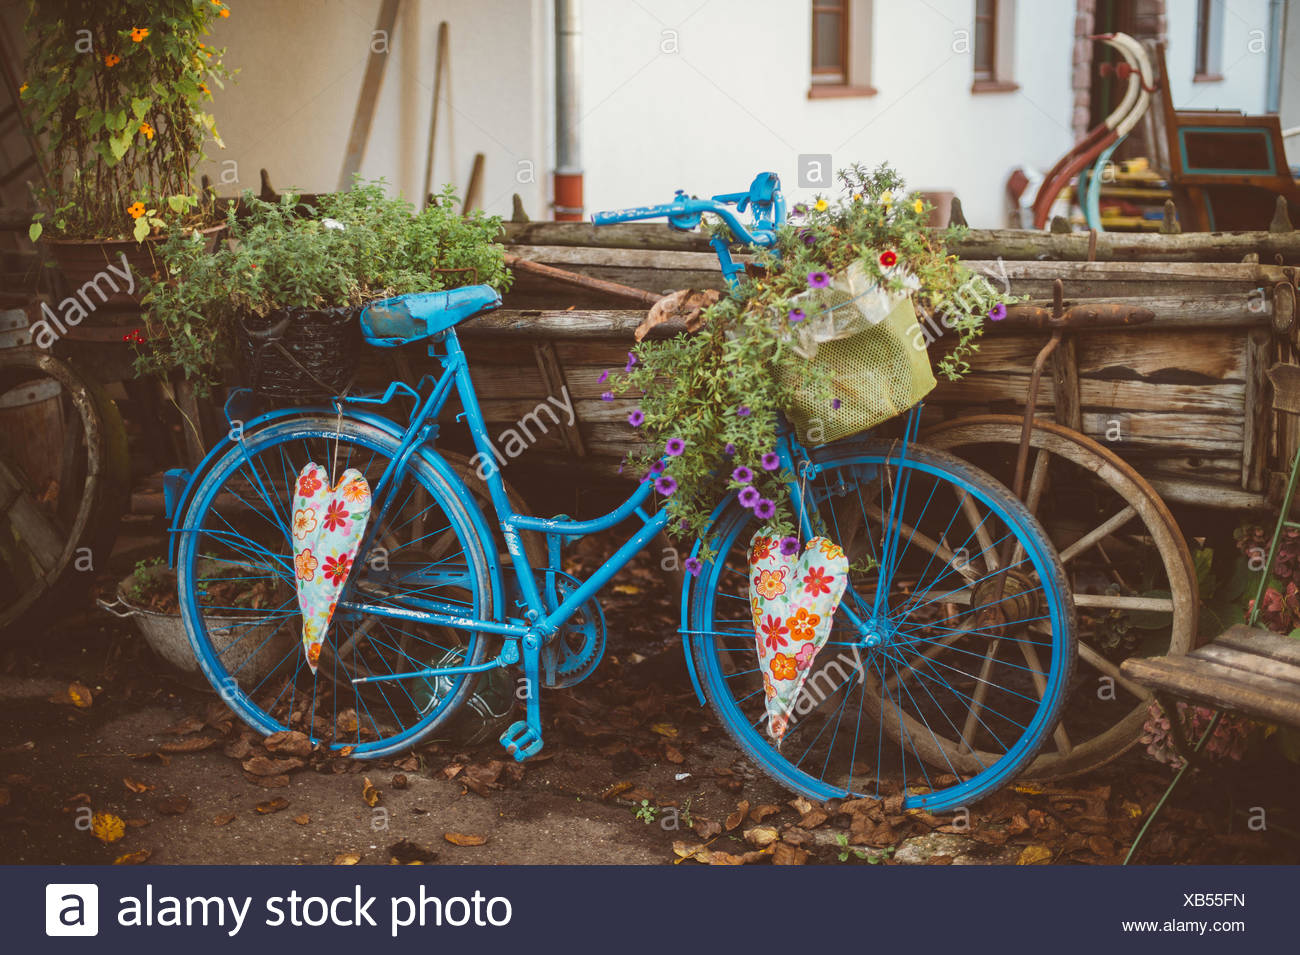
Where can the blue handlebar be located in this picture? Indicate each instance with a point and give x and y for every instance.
(763, 199)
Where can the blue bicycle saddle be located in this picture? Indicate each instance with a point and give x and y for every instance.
(420, 315)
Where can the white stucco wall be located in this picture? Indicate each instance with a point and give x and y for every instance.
(733, 100)
(1244, 59)
(301, 64)
(1290, 105)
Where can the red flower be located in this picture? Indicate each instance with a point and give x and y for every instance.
(336, 515)
(888, 258)
(336, 568)
(817, 581)
(308, 484)
(783, 667)
(774, 630)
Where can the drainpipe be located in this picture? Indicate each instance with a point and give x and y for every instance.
(568, 110)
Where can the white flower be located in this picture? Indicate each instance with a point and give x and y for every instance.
(332, 224)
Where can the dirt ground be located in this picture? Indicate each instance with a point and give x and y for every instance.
(105, 756)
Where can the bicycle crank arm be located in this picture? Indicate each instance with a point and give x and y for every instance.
(508, 657)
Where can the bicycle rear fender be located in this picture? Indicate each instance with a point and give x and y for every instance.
(178, 502)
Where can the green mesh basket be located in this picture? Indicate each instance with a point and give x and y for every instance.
(877, 372)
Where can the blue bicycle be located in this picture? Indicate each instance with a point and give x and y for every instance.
(948, 661)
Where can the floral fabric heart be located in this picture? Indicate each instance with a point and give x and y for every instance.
(793, 602)
(328, 523)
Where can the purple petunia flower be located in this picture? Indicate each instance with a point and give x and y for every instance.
(764, 509)
(636, 418)
(796, 315)
(604, 377)
(743, 411)
(693, 566)
(789, 546)
(818, 280)
(835, 404)
(771, 461)
(675, 446)
(800, 209)
(749, 496)
(729, 450)
(809, 239)
(631, 360)
(998, 312)
(742, 475)
(607, 396)
(657, 467)
(665, 485)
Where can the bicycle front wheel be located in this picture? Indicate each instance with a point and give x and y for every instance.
(948, 660)
(238, 596)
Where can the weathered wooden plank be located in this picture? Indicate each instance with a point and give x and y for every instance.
(1220, 686)
(1193, 356)
(1176, 431)
(1009, 244)
(1258, 411)
(557, 387)
(1250, 663)
(1199, 494)
(660, 259)
(1260, 275)
(1262, 643)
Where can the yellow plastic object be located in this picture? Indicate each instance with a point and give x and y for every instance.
(876, 373)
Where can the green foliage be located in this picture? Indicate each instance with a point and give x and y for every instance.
(726, 386)
(118, 91)
(871, 858)
(354, 247)
(646, 812)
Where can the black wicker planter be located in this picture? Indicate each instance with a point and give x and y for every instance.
(301, 353)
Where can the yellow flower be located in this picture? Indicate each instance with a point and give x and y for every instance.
(225, 12)
(136, 209)
(821, 205)
(857, 197)
(887, 198)
(918, 207)
(203, 88)
(147, 130)
(112, 60)
(22, 89)
(139, 33)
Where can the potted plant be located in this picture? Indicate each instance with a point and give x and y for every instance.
(823, 332)
(284, 288)
(117, 91)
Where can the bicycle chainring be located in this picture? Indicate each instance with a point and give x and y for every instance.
(572, 654)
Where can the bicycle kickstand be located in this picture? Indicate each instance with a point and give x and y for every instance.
(523, 738)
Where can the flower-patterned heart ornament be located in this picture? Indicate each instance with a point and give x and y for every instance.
(793, 601)
(328, 524)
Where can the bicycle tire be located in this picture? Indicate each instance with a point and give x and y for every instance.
(247, 490)
(942, 776)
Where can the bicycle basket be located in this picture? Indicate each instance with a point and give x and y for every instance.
(877, 371)
(301, 353)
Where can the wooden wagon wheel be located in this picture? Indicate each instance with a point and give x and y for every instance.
(1130, 572)
(62, 477)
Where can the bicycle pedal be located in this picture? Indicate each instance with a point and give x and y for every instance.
(521, 740)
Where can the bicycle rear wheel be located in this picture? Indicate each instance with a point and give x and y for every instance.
(236, 559)
(949, 657)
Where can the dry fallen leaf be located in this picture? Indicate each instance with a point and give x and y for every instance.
(761, 836)
(464, 839)
(686, 304)
(369, 793)
(759, 813)
(785, 854)
(135, 785)
(347, 723)
(272, 805)
(737, 817)
(706, 828)
(193, 745)
(400, 781)
(79, 695)
(223, 819)
(288, 743)
(664, 729)
(171, 805)
(107, 827)
(346, 858)
(628, 589)
(1034, 855)
(134, 858)
(265, 766)
(617, 789)
(451, 770)
(186, 727)
(302, 819)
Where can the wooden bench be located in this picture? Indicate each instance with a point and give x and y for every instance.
(1247, 670)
